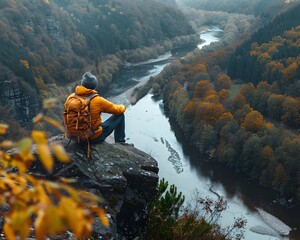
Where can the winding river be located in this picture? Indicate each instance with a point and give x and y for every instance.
(150, 130)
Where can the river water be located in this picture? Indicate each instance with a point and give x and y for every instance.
(150, 130)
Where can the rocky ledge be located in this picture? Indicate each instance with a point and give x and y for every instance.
(123, 175)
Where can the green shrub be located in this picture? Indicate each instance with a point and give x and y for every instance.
(169, 219)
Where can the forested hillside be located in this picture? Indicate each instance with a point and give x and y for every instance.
(272, 55)
(48, 44)
(275, 44)
(252, 128)
(109, 26)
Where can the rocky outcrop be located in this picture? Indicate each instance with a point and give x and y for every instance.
(123, 175)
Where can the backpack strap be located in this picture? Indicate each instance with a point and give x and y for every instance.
(90, 99)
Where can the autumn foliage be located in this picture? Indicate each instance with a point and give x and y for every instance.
(251, 123)
(37, 207)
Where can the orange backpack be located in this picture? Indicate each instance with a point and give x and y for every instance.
(77, 118)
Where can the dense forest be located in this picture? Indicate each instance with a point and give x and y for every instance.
(272, 55)
(46, 45)
(252, 127)
(119, 25)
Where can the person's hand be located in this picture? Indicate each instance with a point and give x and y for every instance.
(123, 107)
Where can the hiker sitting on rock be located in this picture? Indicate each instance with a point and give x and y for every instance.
(82, 115)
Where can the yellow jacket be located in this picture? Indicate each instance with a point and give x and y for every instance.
(97, 106)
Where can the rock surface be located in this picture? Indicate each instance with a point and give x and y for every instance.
(125, 176)
(264, 231)
(275, 223)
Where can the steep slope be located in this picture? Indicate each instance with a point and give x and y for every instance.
(271, 54)
(113, 25)
(46, 44)
(56, 37)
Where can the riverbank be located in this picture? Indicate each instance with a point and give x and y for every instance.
(208, 38)
(149, 129)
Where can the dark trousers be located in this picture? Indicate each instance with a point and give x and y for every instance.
(114, 123)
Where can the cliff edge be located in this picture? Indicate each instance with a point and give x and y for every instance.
(124, 176)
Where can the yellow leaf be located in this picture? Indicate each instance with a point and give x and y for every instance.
(39, 137)
(50, 103)
(54, 220)
(54, 123)
(18, 164)
(78, 219)
(7, 157)
(40, 225)
(9, 182)
(68, 206)
(31, 179)
(4, 164)
(2, 200)
(28, 194)
(22, 181)
(43, 197)
(53, 189)
(7, 144)
(3, 128)
(45, 156)
(8, 231)
(87, 227)
(30, 211)
(20, 222)
(68, 180)
(102, 217)
(50, 185)
(24, 146)
(89, 197)
(60, 153)
(48, 222)
(73, 193)
(37, 118)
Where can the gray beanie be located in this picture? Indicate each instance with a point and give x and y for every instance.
(89, 81)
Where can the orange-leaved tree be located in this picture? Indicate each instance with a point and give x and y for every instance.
(253, 121)
(50, 208)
